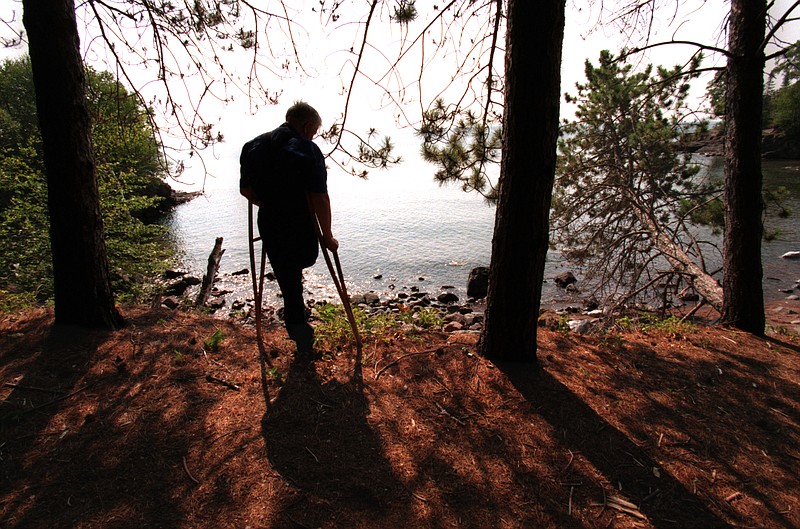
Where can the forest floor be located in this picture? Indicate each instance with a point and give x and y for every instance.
(154, 425)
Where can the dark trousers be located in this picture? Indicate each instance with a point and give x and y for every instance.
(290, 281)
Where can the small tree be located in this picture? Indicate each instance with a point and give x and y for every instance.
(129, 166)
(624, 194)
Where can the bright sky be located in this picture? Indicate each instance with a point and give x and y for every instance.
(697, 20)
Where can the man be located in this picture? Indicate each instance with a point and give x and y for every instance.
(297, 182)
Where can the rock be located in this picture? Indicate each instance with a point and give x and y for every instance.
(456, 317)
(478, 282)
(377, 276)
(191, 280)
(447, 297)
(453, 326)
(238, 305)
(241, 272)
(371, 298)
(217, 303)
(170, 302)
(173, 274)
(176, 288)
(580, 326)
(791, 255)
(564, 279)
(689, 296)
(357, 299)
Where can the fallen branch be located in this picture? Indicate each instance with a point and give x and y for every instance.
(625, 506)
(32, 388)
(729, 498)
(186, 468)
(216, 380)
(59, 399)
(211, 272)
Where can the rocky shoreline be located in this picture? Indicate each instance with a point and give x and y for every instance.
(420, 307)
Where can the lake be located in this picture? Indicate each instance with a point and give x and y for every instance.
(402, 227)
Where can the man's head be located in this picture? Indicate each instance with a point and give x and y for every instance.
(304, 119)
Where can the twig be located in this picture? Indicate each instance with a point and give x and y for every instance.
(569, 506)
(444, 411)
(312, 453)
(625, 506)
(729, 498)
(59, 399)
(211, 378)
(571, 457)
(32, 388)
(394, 362)
(226, 434)
(694, 310)
(186, 468)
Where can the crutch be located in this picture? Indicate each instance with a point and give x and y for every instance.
(341, 288)
(258, 278)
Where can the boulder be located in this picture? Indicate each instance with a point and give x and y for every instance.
(565, 279)
(447, 297)
(478, 282)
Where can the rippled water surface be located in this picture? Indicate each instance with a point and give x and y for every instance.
(402, 226)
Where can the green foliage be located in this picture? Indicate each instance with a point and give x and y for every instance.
(649, 321)
(620, 177)
(786, 111)
(129, 167)
(213, 341)
(334, 328)
(275, 375)
(405, 12)
(426, 318)
(464, 148)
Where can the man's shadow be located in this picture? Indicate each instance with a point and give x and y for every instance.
(318, 438)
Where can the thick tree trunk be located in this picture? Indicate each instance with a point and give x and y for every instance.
(742, 272)
(80, 265)
(530, 130)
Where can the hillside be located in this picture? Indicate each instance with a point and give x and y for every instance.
(667, 426)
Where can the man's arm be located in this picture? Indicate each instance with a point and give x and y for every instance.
(249, 195)
(321, 203)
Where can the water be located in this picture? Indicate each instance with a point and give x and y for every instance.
(398, 224)
(402, 226)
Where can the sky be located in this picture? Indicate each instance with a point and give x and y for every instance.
(326, 62)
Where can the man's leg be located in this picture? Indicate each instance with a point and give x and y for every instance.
(290, 281)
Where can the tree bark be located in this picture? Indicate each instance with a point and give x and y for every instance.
(534, 37)
(743, 305)
(680, 261)
(82, 286)
(211, 272)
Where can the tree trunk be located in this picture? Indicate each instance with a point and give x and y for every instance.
(80, 266)
(534, 38)
(742, 273)
(211, 272)
(680, 261)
